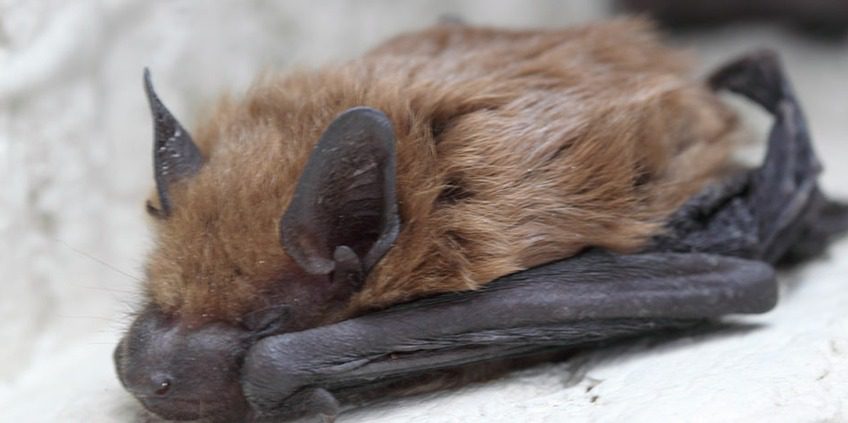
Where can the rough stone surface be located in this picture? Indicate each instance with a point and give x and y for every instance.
(75, 166)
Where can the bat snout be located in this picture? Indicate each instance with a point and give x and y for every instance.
(181, 373)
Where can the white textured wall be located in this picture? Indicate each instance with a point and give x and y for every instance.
(75, 165)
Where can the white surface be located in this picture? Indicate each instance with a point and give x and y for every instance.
(75, 165)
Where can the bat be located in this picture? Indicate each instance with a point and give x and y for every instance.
(457, 197)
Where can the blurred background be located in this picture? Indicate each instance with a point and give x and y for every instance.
(75, 167)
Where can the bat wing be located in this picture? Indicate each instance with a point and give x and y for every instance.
(593, 297)
(775, 212)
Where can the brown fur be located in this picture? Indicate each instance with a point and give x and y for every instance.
(515, 148)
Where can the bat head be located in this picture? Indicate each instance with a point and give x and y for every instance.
(240, 259)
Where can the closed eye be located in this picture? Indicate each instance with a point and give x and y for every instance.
(266, 321)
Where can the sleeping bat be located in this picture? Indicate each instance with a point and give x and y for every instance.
(454, 198)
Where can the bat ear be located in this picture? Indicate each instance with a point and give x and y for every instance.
(343, 215)
(175, 156)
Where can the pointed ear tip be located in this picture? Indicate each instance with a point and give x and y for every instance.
(371, 117)
(148, 83)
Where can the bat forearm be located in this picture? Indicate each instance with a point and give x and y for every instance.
(592, 297)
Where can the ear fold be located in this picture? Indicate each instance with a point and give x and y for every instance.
(343, 215)
(174, 154)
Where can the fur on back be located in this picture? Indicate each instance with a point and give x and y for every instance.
(515, 148)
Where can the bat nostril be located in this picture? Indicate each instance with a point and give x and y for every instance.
(161, 384)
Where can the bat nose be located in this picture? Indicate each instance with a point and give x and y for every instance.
(160, 384)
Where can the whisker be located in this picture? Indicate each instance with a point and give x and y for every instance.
(122, 297)
(103, 318)
(112, 290)
(98, 260)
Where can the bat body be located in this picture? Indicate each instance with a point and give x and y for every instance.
(295, 226)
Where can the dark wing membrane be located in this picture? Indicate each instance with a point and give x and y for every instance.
(776, 212)
(595, 296)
